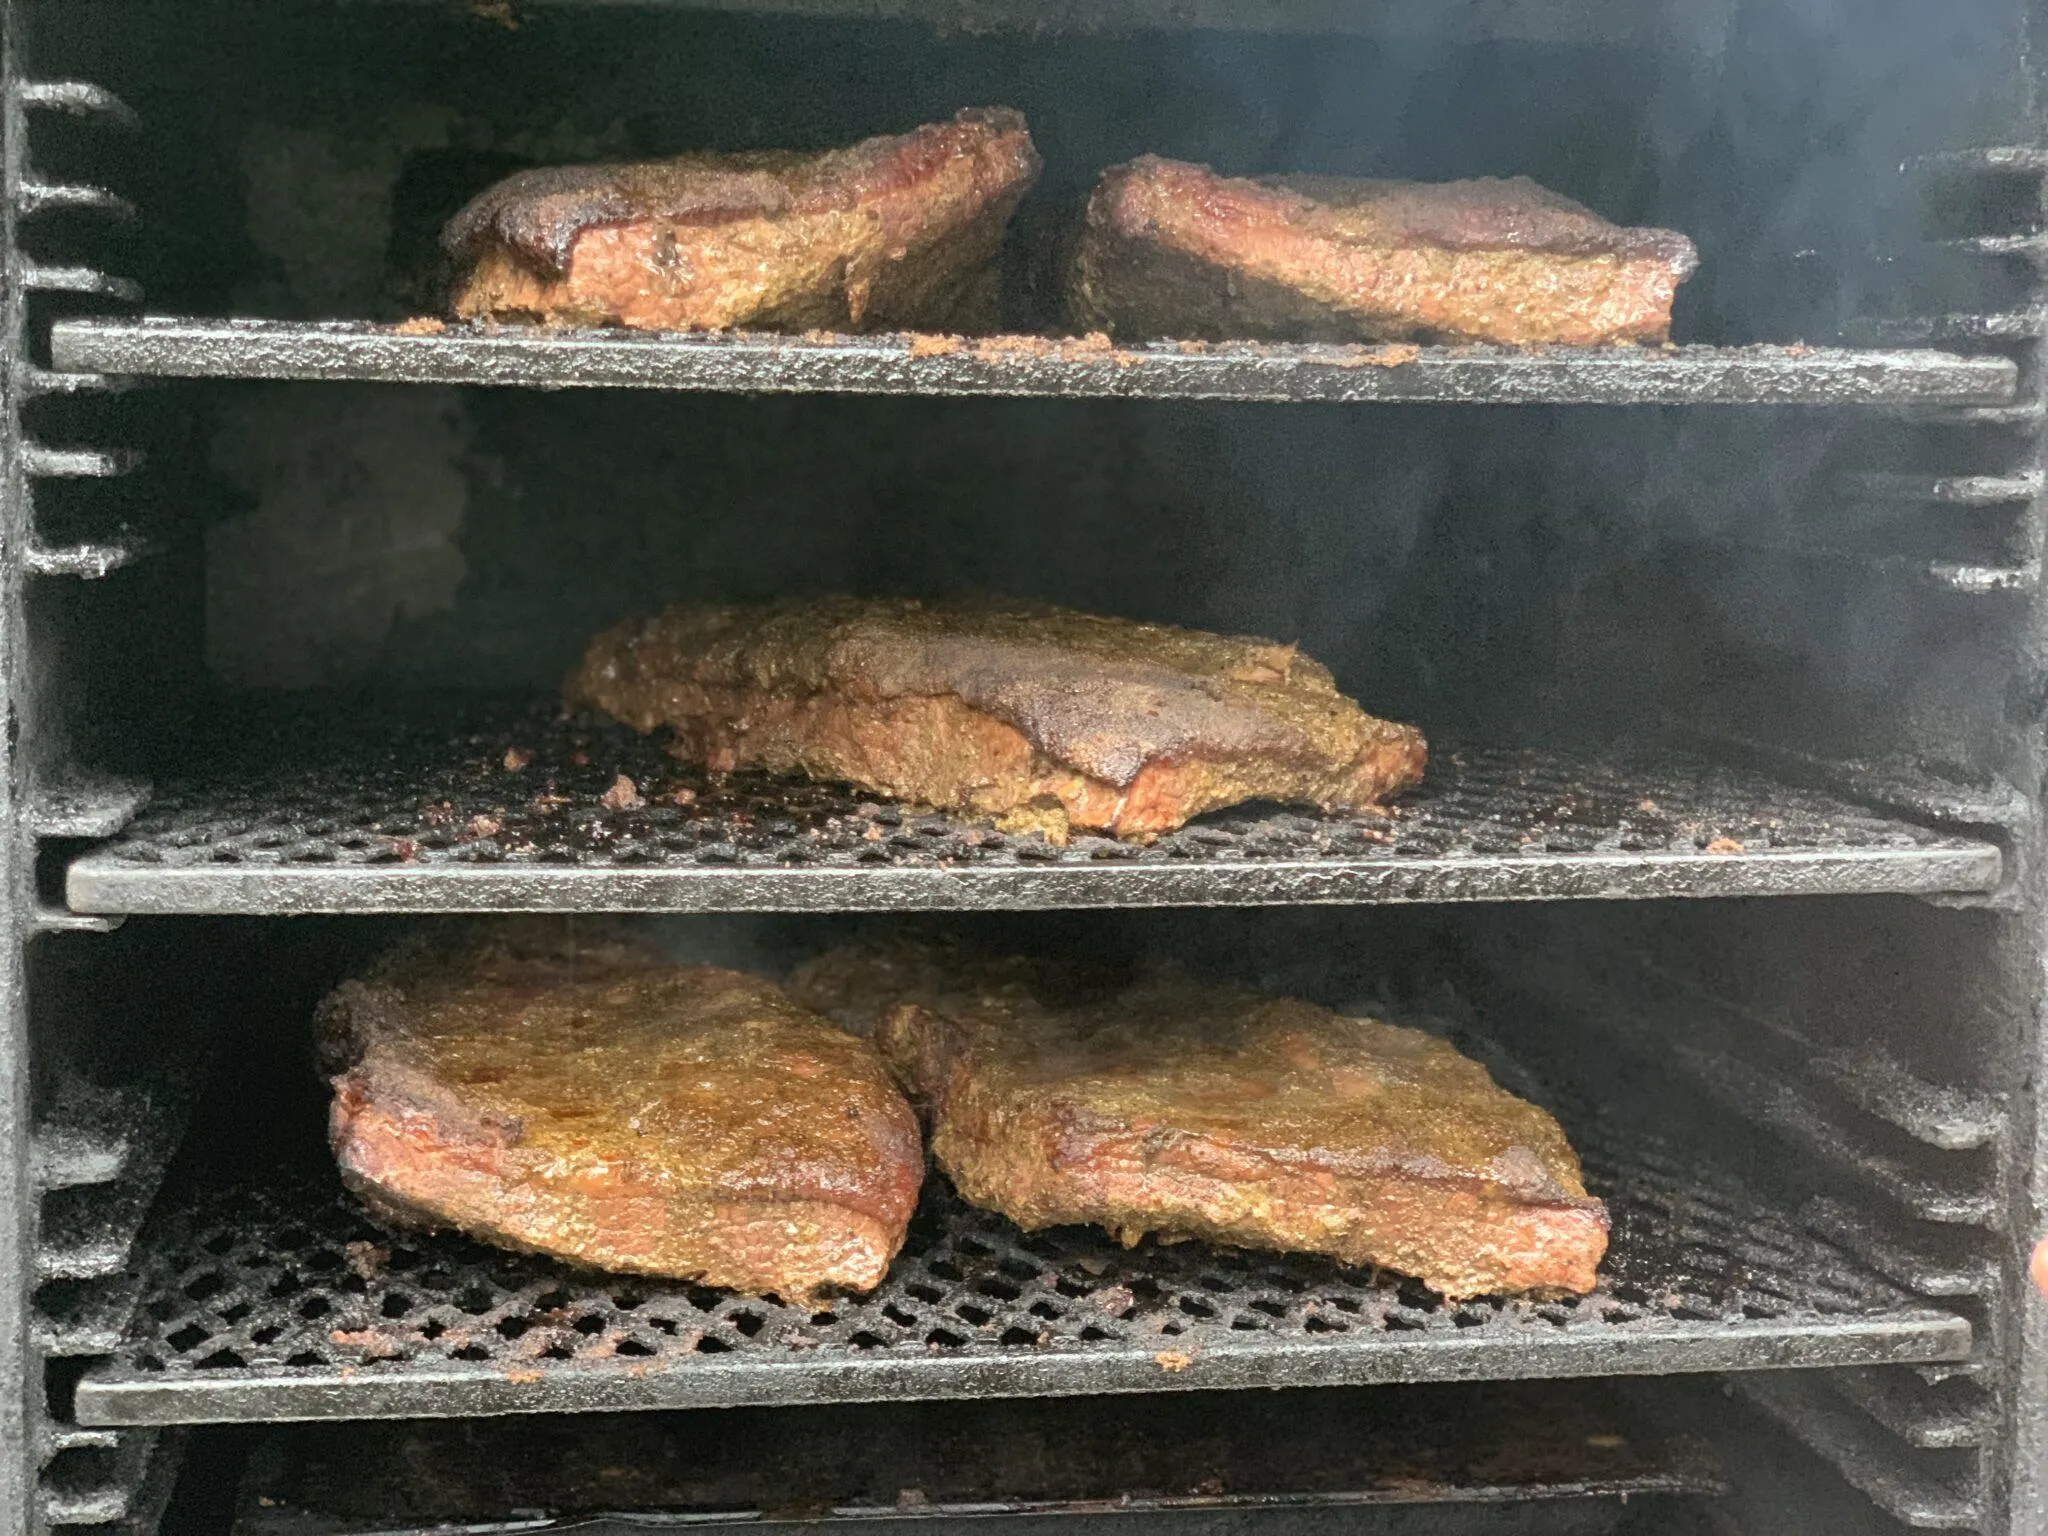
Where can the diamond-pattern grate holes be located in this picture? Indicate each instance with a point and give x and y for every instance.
(482, 805)
(289, 1301)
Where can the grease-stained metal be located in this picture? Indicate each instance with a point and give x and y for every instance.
(322, 808)
(436, 352)
(1690, 26)
(285, 1300)
(1913, 1486)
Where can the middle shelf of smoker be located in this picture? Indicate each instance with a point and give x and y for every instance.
(430, 352)
(491, 804)
(272, 1294)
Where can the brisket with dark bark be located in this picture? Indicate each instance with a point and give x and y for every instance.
(893, 232)
(1039, 717)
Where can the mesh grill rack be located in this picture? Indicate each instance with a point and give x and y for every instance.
(428, 351)
(287, 1301)
(508, 807)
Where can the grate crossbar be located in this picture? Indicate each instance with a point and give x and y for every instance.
(432, 352)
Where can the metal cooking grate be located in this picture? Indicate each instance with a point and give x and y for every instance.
(480, 806)
(428, 351)
(287, 1301)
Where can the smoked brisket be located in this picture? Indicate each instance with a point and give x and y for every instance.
(552, 1089)
(1039, 717)
(1171, 249)
(893, 232)
(1189, 1109)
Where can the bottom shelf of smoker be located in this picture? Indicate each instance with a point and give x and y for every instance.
(1531, 1459)
(286, 1300)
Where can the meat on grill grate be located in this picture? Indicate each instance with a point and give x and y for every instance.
(572, 1093)
(1039, 717)
(892, 232)
(1190, 1109)
(1171, 249)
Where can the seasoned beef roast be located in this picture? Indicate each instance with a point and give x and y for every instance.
(1039, 717)
(900, 231)
(1190, 1109)
(1171, 249)
(565, 1091)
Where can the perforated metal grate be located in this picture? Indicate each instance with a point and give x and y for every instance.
(288, 1301)
(476, 806)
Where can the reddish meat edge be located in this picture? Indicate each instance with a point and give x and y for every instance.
(791, 1168)
(1049, 1161)
(896, 231)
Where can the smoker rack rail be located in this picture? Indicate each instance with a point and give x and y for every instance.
(285, 1300)
(430, 352)
(322, 808)
(1693, 25)
(1297, 1462)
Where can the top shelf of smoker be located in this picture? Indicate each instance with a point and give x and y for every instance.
(429, 352)
(1699, 25)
